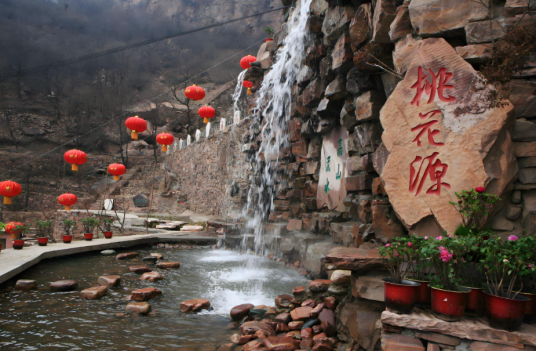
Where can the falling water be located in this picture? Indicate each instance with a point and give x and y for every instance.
(238, 90)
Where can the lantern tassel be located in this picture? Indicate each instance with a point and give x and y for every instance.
(205, 120)
(134, 135)
(249, 91)
(164, 148)
(116, 178)
(74, 167)
(67, 208)
(7, 200)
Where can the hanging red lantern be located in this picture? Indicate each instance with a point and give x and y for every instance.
(246, 61)
(75, 158)
(206, 112)
(67, 200)
(249, 85)
(165, 139)
(9, 189)
(194, 93)
(136, 125)
(10, 229)
(117, 170)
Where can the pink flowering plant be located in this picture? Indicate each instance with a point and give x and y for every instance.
(107, 223)
(474, 205)
(421, 267)
(396, 255)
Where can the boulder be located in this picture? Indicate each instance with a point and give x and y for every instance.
(250, 328)
(93, 293)
(145, 294)
(151, 276)
(368, 105)
(276, 343)
(525, 149)
(369, 286)
(301, 313)
(168, 265)
(359, 322)
(138, 308)
(401, 25)
(522, 96)
(283, 300)
(64, 285)
(298, 291)
(126, 255)
(384, 14)
(405, 49)
(282, 318)
(253, 345)
(341, 276)
(477, 53)
(336, 22)
(297, 325)
(336, 90)
(524, 131)
(241, 339)
(527, 176)
(385, 224)
(241, 311)
(139, 269)
(368, 137)
(25, 284)
(150, 259)
(316, 311)
(342, 55)
(194, 305)
(319, 285)
(361, 26)
(109, 280)
(353, 259)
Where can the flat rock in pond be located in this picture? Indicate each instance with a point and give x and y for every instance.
(26, 284)
(301, 313)
(126, 255)
(93, 293)
(157, 255)
(192, 228)
(239, 312)
(145, 294)
(150, 259)
(64, 285)
(138, 307)
(168, 265)
(151, 276)
(194, 305)
(107, 252)
(139, 269)
(109, 280)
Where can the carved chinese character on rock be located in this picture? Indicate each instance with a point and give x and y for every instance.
(444, 133)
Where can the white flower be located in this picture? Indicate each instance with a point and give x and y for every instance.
(505, 260)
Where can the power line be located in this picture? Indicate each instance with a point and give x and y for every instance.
(46, 67)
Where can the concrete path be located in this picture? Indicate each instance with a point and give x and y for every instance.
(13, 262)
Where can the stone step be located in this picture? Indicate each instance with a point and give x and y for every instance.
(353, 259)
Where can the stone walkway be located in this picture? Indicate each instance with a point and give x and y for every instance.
(13, 262)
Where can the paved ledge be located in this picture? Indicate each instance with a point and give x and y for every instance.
(13, 262)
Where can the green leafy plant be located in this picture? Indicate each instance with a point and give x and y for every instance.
(22, 230)
(2, 226)
(89, 224)
(68, 226)
(396, 253)
(107, 223)
(421, 267)
(44, 227)
(474, 205)
(269, 31)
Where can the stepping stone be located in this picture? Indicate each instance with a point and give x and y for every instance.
(139, 269)
(150, 259)
(152, 276)
(145, 294)
(93, 293)
(139, 307)
(64, 285)
(26, 284)
(157, 255)
(126, 255)
(168, 265)
(109, 280)
(195, 305)
(319, 285)
(107, 252)
(241, 311)
(192, 228)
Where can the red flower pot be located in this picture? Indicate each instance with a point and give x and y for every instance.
(424, 293)
(42, 241)
(400, 298)
(504, 313)
(449, 305)
(269, 39)
(108, 235)
(67, 239)
(530, 308)
(476, 302)
(88, 236)
(18, 244)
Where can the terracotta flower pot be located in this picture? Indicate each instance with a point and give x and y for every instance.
(424, 293)
(108, 235)
(67, 239)
(18, 244)
(88, 236)
(530, 308)
(449, 305)
(268, 39)
(42, 241)
(505, 313)
(476, 302)
(400, 298)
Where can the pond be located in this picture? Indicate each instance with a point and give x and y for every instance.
(46, 320)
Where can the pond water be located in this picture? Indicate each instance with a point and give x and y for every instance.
(47, 320)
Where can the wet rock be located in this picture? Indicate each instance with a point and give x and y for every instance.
(342, 55)
(168, 265)
(308, 303)
(64, 285)
(319, 285)
(282, 318)
(330, 303)
(317, 329)
(309, 324)
(283, 300)
(159, 256)
(127, 255)
(151, 276)
(109, 280)
(93, 293)
(316, 311)
(260, 335)
(281, 328)
(328, 316)
(256, 313)
(295, 325)
(250, 328)
(241, 311)
(361, 26)
(145, 294)
(25, 284)
(139, 269)
(328, 328)
(275, 343)
(107, 252)
(338, 290)
(241, 339)
(301, 313)
(138, 307)
(298, 291)
(194, 305)
(253, 345)
(307, 333)
(306, 344)
(341, 276)
(323, 344)
(150, 259)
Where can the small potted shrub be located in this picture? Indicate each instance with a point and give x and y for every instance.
(269, 33)
(20, 231)
(400, 293)
(529, 291)
(504, 263)
(10, 229)
(44, 227)
(107, 223)
(68, 228)
(420, 272)
(89, 224)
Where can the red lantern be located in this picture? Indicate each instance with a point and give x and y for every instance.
(194, 93)
(9, 189)
(249, 85)
(10, 229)
(165, 139)
(136, 125)
(117, 170)
(67, 200)
(75, 158)
(206, 112)
(246, 61)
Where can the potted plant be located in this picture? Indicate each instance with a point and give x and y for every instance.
(504, 263)
(11, 231)
(68, 227)
(20, 231)
(400, 293)
(89, 224)
(529, 291)
(269, 32)
(107, 223)
(420, 272)
(474, 206)
(44, 228)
